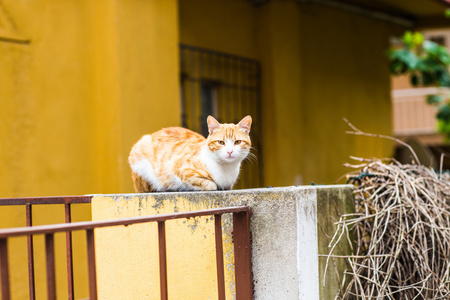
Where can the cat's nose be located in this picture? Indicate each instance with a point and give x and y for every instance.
(229, 152)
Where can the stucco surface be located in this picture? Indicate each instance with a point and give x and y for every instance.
(284, 243)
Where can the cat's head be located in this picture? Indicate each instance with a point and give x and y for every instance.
(229, 142)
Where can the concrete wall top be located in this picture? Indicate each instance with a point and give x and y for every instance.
(247, 192)
(284, 229)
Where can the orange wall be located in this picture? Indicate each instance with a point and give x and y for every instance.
(345, 75)
(95, 77)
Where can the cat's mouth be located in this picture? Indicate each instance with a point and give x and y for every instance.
(230, 157)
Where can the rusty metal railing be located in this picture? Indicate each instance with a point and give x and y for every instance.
(241, 237)
(29, 202)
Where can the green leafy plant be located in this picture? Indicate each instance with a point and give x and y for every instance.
(427, 64)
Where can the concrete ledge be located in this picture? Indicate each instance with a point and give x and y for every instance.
(285, 242)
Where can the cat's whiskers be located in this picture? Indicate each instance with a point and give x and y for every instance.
(251, 157)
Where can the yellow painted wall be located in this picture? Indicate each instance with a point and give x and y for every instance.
(191, 258)
(345, 75)
(44, 101)
(280, 44)
(95, 76)
(228, 26)
(319, 65)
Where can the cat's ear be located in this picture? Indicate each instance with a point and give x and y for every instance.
(245, 124)
(213, 124)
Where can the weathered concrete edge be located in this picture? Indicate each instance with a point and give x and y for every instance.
(256, 191)
(307, 261)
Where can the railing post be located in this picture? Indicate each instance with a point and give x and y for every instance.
(50, 261)
(242, 255)
(162, 260)
(219, 256)
(90, 241)
(4, 269)
(30, 249)
(69, 256)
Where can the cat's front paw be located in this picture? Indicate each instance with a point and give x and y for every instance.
(209, 186)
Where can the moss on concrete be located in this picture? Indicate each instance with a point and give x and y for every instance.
(331, 202)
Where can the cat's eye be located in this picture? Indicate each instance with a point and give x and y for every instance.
(221, 142)
(237, 142)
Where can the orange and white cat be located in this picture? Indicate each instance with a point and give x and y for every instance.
(178, 159)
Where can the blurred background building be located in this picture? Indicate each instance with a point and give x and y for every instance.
(414, 120)
(81, 81)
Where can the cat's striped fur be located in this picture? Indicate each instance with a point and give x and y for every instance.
(178, 159)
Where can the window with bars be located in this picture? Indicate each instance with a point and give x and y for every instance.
(227, 87)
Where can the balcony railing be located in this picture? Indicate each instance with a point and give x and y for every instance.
(241, 239)
(411, 114)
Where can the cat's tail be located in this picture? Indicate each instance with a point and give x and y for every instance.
(140, 185)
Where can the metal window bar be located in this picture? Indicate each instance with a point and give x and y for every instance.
(241, 229)
(67, 201)
(234, 83)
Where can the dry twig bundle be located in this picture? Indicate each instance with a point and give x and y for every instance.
(399, 233)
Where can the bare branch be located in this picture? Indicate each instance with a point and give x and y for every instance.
(356, 131)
